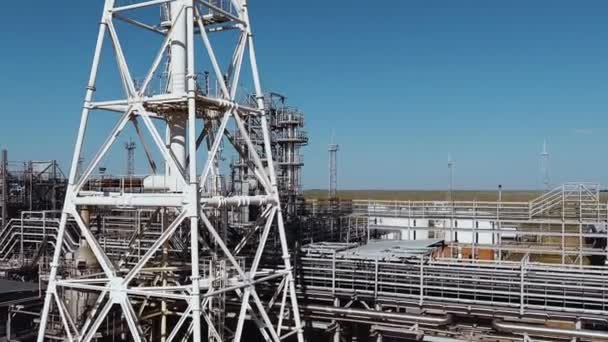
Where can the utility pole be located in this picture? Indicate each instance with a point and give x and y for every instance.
(544, 167)
(451, 178)
(499, 193)
(544, 171)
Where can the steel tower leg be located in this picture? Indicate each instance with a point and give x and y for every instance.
(273, 179)
(72, 176)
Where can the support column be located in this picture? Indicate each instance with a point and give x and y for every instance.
(9, 322)
(378, 308)
(338, 331)
(378, 336)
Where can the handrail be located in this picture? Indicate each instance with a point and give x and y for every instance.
(17, 230)
(512, 286)
(566, 202)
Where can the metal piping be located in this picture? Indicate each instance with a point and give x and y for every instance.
(533, 329)
(381, 315)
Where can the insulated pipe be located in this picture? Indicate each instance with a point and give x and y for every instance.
(534, 329)
(177, 121)
(173, 201)
(372, 314)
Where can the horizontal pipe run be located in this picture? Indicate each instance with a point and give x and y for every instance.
(372, 314)
(542, 330)
(165, 199)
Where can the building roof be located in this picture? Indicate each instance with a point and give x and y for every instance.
(377, 249)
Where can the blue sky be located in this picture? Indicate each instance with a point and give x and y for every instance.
(402, 84)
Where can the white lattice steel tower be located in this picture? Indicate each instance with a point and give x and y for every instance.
(130, 148)
(186, 192)
(333, 170)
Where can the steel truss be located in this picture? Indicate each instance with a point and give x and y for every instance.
(122, 285)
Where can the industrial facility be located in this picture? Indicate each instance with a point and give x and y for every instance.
(216, 241)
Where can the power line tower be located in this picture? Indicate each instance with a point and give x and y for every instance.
(130, 148)
(333, 170)
(544, 167)
(196, 124)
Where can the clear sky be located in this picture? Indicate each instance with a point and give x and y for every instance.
(402, 83)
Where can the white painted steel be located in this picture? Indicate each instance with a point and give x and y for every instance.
(181, 190)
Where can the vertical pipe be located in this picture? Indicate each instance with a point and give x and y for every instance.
(338, 332)
(580, 226)
(522, 284)
(9, 322)
(4, 187)
(193, 184)
(21, 241)
(563, 226)
(376, 280)
(54, 185)
(163, 303)
(44, 235)
(475, 232)
(177, 121)
(421, 281)
(333, 273)
(30, 174)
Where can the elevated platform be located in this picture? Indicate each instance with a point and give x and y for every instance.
(426, 291)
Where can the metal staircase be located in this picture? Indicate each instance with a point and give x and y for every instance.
(22, 239)
(28, 237)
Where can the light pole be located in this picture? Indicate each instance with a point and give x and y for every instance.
(451, 176)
